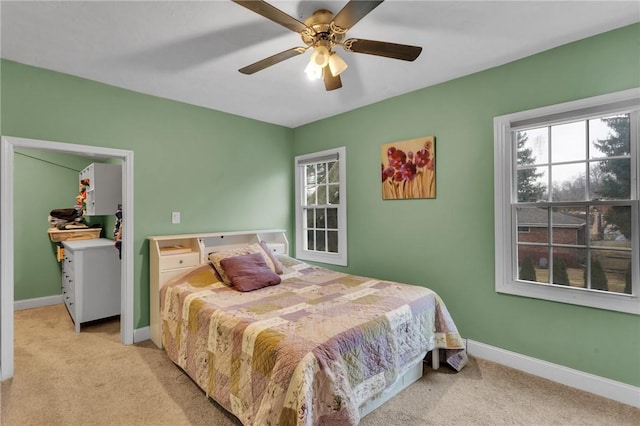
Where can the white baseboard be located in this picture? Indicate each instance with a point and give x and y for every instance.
(141, 334)
(37, 302)
(618, 391)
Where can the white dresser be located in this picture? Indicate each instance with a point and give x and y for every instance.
(91, 280)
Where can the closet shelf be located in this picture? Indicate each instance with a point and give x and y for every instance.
(58, 235)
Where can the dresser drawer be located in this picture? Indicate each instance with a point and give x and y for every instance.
(68, 292)
(69, 298)
(67, 271)
(173, 261)
(276, 248)
(67, 261)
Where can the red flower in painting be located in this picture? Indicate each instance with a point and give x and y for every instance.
(431, 164)
(422, 157)
(408, 170)
(397, 157)
(387, 173)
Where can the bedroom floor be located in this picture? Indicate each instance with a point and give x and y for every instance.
(66, 379)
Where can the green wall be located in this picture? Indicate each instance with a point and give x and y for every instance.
(225, 172)
(221, 171)
(448, 243)
(43, 182)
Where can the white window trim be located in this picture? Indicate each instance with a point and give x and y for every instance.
(505, 262)
(339, 258)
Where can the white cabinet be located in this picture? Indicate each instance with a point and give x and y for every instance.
(104, 188)
(91, 280)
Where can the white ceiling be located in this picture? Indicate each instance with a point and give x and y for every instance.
(191, 51)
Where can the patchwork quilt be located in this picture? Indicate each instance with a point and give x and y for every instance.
(308, 351)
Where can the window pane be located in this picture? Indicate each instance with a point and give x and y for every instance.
(532, 184)
(533, 263)
(610, 226)
(320, 241)
(611, 179)
(311, 174)
(311, 196)
(334, 194)
(332, 218)
(568, 142)
(321, 207)
(532, 224)
(610, 136)
(568, 266)
(322, 195)
(532, 146)
(310, 217)
(610, 271)
(332, 241)
(569, 182)
(310, 240)
(320, 218)
(334, 171)
(568, 225)
(322, 172)
(627, 280)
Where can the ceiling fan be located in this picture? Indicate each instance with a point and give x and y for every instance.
(322, 31)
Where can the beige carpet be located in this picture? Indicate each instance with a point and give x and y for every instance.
(63, 378)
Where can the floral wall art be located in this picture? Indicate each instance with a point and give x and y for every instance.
(409, 169)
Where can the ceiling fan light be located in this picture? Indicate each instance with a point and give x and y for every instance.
(337, 65)
(320, 56)
(313, 72)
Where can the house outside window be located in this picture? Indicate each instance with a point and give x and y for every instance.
(566, 202)
(321, 206)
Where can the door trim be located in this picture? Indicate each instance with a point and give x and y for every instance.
(7, 146)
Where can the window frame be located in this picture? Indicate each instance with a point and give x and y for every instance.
(506, 262)
(339, 258)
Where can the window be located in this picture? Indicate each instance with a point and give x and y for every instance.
(566, 202)
(321, 207)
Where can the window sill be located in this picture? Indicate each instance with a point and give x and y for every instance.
(575, 296)
(329, 258)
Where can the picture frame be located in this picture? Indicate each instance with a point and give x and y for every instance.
(408, 169)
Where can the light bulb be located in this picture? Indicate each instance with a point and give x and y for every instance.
(320, 56)
(313, 72)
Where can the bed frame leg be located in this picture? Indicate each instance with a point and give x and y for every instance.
(435, 358)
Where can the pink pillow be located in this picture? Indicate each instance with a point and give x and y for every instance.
(277, 266)
(217, 256)
(249, 272)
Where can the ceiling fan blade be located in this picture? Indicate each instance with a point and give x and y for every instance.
(382, 48)
(352, 12)
(276, 15)
(331, 82)
(272, 60)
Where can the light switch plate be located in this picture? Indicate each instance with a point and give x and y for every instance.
(175, 217)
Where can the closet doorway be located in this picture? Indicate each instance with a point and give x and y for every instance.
(7, 146)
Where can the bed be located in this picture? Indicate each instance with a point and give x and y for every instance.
(318, 347)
